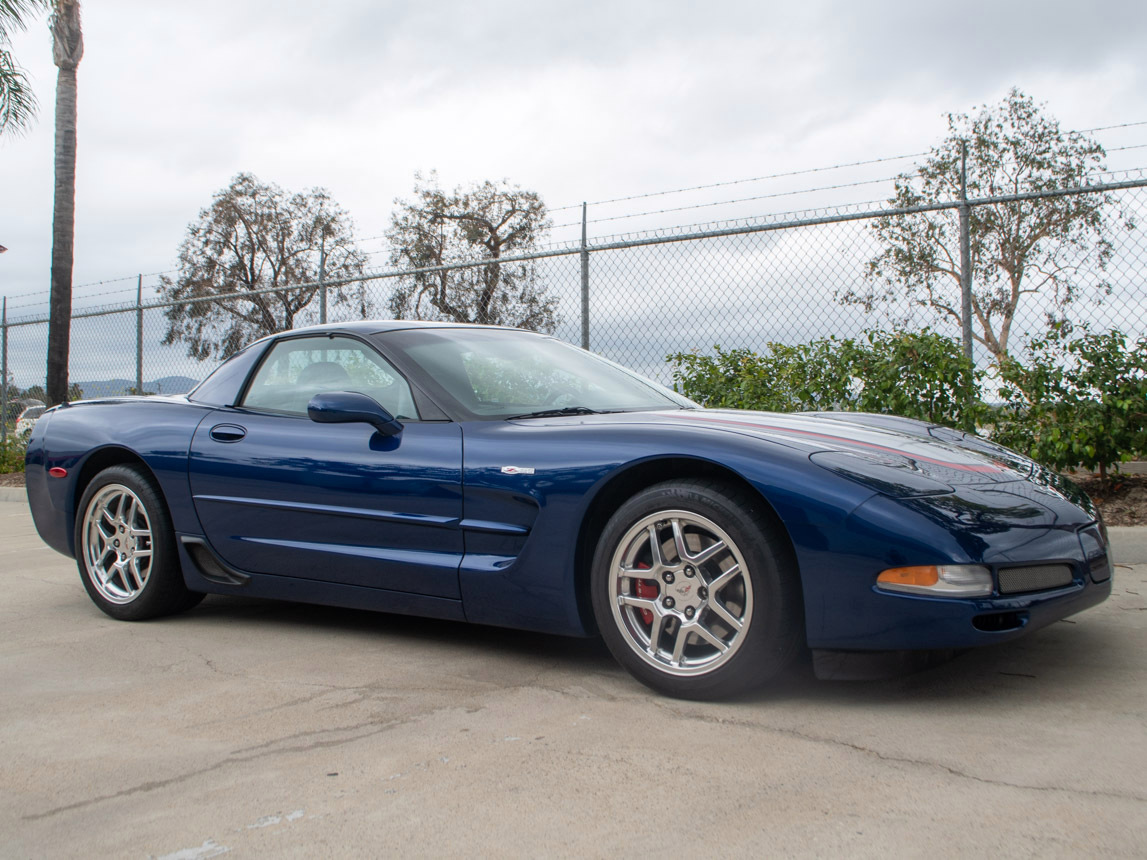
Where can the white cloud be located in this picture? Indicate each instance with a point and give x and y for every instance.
(579, 101)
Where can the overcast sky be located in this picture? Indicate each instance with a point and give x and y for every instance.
(579, 101)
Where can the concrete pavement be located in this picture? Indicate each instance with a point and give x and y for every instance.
(1128, 544)
(256, 728)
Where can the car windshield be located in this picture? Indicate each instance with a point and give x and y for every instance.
(497, 373)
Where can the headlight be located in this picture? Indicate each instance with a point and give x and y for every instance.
(938, 580)
(893, 476)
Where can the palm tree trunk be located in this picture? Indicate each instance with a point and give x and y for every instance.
(63, 238)
(67, 49)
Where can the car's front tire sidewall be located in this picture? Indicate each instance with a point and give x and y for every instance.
(772, 630)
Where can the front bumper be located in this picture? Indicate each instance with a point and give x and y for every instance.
(911, 622)
(846, 611)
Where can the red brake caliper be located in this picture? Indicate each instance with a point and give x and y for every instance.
(646, 588)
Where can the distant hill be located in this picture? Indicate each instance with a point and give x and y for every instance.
(171, 385)
(93, 389)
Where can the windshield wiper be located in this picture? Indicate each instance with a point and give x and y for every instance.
(554, 413)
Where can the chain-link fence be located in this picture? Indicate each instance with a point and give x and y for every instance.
(636, 298)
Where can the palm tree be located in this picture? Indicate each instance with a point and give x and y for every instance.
(67, 49)
(17, 103)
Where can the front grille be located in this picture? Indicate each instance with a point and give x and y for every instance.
(1100, 569)
(1036, 577)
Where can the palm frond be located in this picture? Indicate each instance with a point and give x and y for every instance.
(17, 101)
(14, 15)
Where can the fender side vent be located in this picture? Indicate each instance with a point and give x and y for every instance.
(1036, 577)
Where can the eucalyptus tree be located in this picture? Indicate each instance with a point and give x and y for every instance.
(481, 223)
(1054, 245)
(250, 265)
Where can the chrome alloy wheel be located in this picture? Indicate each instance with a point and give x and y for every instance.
(117, 543)
(680, 592)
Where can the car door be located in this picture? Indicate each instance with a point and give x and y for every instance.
(279, 494)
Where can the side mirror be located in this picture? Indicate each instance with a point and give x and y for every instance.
(350, 407)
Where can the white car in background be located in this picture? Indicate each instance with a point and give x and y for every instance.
(27, 419)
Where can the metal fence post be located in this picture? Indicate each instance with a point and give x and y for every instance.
(4, 372)
(965, 254)
(584, 283)
(139, 336)
(323, 277)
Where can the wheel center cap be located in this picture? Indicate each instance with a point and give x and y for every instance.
(684, 593)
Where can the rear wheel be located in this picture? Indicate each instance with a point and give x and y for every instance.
(125, 548)
(695, 591)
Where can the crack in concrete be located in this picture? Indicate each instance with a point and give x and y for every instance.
(234, 758)
(935, 765)
(211, 665)
(270, 709)
(252, 753)
(259, 750)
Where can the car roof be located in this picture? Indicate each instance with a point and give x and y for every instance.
(362, 327)
(368, 327)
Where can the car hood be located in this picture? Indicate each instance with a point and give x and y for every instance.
(837, 441)
(897, 456)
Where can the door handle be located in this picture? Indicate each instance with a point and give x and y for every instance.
(228, 432)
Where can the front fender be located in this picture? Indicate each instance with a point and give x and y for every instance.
(556, 474)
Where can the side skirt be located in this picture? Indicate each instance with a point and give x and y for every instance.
(214, 577)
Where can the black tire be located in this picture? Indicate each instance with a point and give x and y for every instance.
(125, 548)
(653, 626)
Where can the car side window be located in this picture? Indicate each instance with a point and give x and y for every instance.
(297, 369)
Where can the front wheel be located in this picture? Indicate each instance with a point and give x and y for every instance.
(125, 548)
(695, 590)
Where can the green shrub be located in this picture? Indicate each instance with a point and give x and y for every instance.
(782, 379)
(1076, 402)
(918, 375)
(12, 454)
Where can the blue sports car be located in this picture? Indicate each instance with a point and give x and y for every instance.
(504, 477)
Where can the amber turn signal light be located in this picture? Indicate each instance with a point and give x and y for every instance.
(939, 580)
(925, 576)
